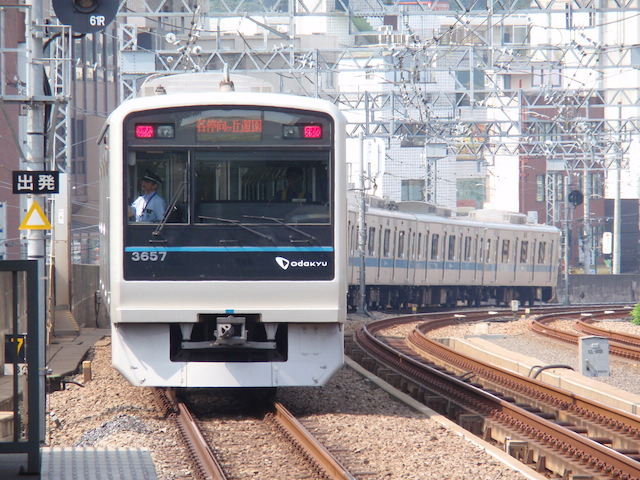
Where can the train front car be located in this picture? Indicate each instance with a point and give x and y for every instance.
(223, 223)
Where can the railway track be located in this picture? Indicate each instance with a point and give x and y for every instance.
(545, 427)
(303, 456)
(623, 345)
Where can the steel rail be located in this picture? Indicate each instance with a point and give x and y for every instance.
(587, 326)
(592, 455)
(310, 445)
(615, 418)
(206, 465)
(622, 345)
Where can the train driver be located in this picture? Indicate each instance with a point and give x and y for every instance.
(149, 207)
(294, 191)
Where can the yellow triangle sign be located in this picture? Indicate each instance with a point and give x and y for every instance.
(35, 219)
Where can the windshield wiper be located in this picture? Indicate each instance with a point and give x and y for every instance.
(165, 217)
(280, 222)
(238, 224)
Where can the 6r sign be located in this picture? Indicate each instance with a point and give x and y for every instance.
(86, 16)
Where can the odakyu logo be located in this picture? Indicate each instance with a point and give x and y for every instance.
(285, 263)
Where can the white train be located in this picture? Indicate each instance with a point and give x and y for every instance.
(418, 254)
(220, 274)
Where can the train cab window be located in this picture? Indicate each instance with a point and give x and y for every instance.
(542, 246)
(451, 255)
(156, 190)
(524, 252)
(386, 243)
(371, 241)
(505, 251)
(252, 187)
(435, 239)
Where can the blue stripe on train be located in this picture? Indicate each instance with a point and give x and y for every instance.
(373, 262)
(228, 249)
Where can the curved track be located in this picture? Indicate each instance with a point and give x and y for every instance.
(556, 430)
(623, 345)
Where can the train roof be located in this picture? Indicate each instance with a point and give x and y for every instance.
(202, 82)
(439, 214)
(203, 89)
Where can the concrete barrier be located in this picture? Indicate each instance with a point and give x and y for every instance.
(589, 289)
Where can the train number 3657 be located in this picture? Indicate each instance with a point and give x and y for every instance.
(148, 256)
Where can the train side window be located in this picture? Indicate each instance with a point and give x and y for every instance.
(452, 248)
(435, 239)
(542, 252)
(488, 255)
(386, 243)
(481, 250)
(505, 251)
(371, 241)
(401, 244)
(524, 252)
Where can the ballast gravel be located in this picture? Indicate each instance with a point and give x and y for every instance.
(388, 439)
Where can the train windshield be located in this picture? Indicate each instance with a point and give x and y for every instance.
(229, 185)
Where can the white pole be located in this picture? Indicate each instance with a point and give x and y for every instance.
(617, 222)
(567, 300)
(362, 234)
(35, 135)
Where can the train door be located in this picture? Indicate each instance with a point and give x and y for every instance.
(445, 242)
(479, 262)
(534, 259)
(487, 262)
(382, 239)
(524, 261)
(435, 256)
(452, 258)
(410, 255)
(516, 245)
(419, 257)
(394, 256)
(503, 262)
(425, 255)
(386, 253)
(353, 252)
(351, 260)
(371, 248)
(465, 253)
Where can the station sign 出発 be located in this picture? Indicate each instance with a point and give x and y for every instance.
(36, 182)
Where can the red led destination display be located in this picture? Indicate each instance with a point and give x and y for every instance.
(312, 131)
(212, 130)
(145, 131)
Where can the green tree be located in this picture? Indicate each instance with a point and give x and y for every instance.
(635, 314)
